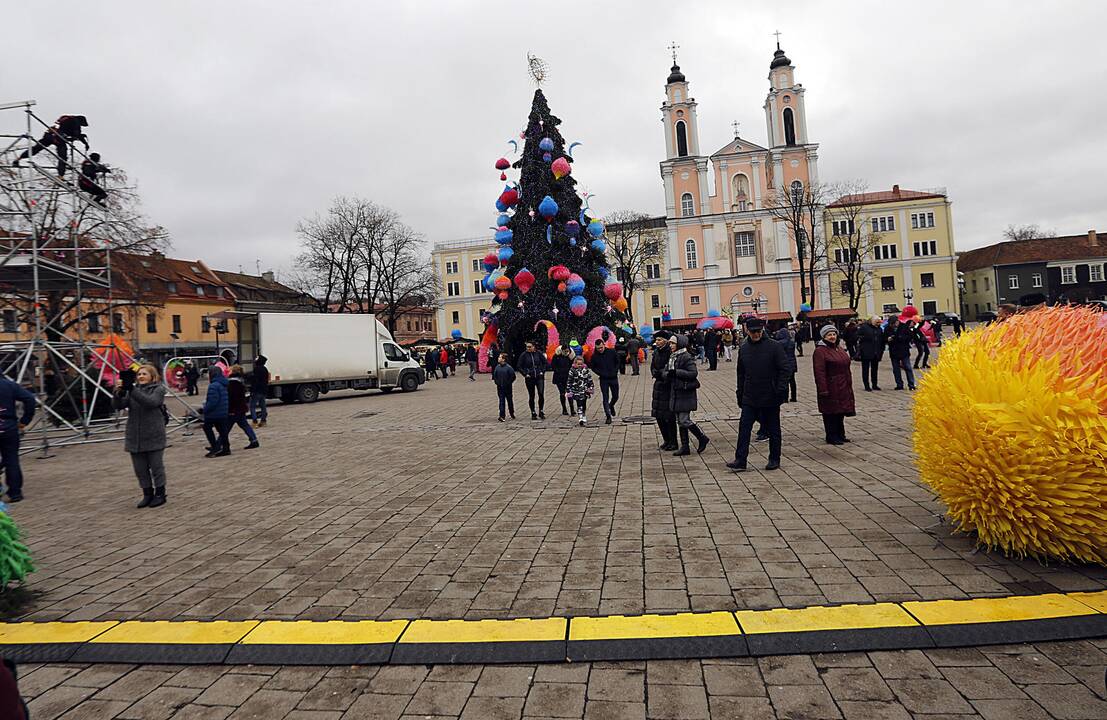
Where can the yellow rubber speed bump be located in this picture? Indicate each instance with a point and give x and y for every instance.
(836, 628)
(482, 641)
(1019, 618)
(1095, 600)
(307, 642)
(651, 637)
(164, 641)
(47, 641)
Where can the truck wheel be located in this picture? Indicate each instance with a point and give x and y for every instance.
(307, 393)
(409, 383)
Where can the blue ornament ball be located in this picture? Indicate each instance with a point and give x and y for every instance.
(503, 219)
(574, 286)
(504, 236)
(546, 144)
(546, 157)
(599, 245)
(595, 228)
(505, 254)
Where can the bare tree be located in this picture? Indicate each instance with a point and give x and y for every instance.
(800, 208)
(404, 274)
(1027, 232)
(852, 240)
(635, 242)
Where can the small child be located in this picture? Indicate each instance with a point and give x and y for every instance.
(504, 375)
(580, 386)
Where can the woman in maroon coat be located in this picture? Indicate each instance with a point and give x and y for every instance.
(834, 384)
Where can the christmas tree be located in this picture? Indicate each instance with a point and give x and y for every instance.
(15, 559)
(549, 272)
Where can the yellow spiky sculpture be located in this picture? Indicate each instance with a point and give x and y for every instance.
(1011, 433)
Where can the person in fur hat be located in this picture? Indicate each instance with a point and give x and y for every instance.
(833, 384)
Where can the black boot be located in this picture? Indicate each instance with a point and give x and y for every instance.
(159, 497)
(147, 497)
(683, 443)
(701, 438)
(669, 442)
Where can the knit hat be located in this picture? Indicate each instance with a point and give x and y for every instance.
(827, 329)
(682, 342)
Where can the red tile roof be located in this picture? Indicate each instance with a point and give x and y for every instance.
(1019, 252)
(884, 196)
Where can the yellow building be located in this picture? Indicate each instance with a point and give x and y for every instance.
(904, 239)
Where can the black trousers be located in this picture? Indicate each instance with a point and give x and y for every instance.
(609, 391)
(634, 362)
(98, 193)
(506, 398)
(666, 423)
(923, 354)
(868, 373)
(223, 427)
(792, 386)
(712, 361)
(9, 458)
(562, 388)
(769, 417)
(835, 427)
(536, 385)
(49, 139)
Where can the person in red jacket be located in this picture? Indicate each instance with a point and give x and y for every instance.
(833, 384)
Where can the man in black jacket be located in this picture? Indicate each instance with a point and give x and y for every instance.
(66, 129)
(471, 358)
(633, 343)
(606, 366)
(762, 388)
(899, 338)
(259, 388)
(532, 366)
(662, 391)
(870, 348)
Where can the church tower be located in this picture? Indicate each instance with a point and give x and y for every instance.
(786, 125)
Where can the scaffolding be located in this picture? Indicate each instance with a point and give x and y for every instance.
(56, 285)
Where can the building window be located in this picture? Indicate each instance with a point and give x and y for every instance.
(1095, 273)
(884, 252)
(843, 227)
(886, 223)
(987, 284)
(690, 254)
(1035, 281)
(476, 265)
(694, 300)
(974, 284)
(453, 289)
(687, 209)
(455, 317)
(889, 309)
(94, 323)
(451, 267)
(930, 307)
(10, 324)
(887, 282)
(926, 248)
(205, 324)
(653, 271)
(151, 322)
(789, 127)
(682, 139)
(1068, 274)
(117, 322)
(1012, 282)
(797, 191)
(989, 307)
(655, 301)
(922, 220)
(743, 244)
(844, 286)
(218, 291)
(478, 287)
(926, 280)
(199, 290)
(171, 287)
(176, 323)
(843, 256)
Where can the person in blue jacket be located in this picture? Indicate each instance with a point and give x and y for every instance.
(217, 415)
(11, 426)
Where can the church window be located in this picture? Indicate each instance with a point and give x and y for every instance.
(789, 127)
(690, 254)
(687, 208)
(797, 192)
(682, 140)
(743, 244)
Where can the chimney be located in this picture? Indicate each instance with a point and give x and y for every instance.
(158, 255)
(1092, 239)
(895, 189)
(268, 276)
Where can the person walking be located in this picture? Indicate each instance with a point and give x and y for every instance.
(192, 378)
(144, 436)
(471, 359)
(922, 344)
(561, 364)
(663, 391)
(762, 371)
(217, 414)
(870, 348)
(532, 366)
(711, 349)
(621, 354)
(451, 353)
(605, 365)
(849, 335)
(430, 359)
(898, 338)
(503, 375)
(580, 388)
(784, 337)
(727, 342)
(11, 428)
(259, 389)
(682, 373)
(444, 362)
(834, 385)
(236, 405)
(633, 343)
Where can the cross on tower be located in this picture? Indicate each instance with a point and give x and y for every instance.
(674, 47)
(735, 126)
(777, 33)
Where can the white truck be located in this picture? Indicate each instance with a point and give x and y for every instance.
(309, 354)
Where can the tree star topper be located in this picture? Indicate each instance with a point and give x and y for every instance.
(538, 68)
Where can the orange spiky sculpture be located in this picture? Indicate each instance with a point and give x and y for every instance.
(1011, 433)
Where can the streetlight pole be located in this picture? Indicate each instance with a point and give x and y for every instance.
(908, 294)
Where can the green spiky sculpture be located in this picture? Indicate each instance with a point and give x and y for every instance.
(15, 558)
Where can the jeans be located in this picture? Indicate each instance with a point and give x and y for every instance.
(257, 406)
(770, 425)
(536, 385)
(868, 373)
(9, 458)
(505, 397)
(609, 391)
(222, 426)
(472, 369)
(149, 468)
(904, 365)
(240, 420)
(835, 427)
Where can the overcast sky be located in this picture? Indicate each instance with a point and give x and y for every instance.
(239, 118)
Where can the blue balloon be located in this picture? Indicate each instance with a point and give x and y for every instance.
(546, 144)
(505, 254)
(595, 228)
(486, 282)
(574, 286)
(548, 207)
(599, 245)
(604, 272)
(578, 303)
(500, 205)
(713, 313)
(503, 237)
(503, 220)
(646, 331)
(455, 333)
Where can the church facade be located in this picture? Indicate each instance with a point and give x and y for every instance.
(726, 250)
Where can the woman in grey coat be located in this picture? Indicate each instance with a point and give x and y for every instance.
(682, 372)
(145, 434)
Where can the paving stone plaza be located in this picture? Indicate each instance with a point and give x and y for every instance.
(422, 505)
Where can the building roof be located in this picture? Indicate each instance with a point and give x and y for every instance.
(779, 59)
(255, 282)
(1037, 250)
(887, 196)
(675, 75)
(187, 275)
